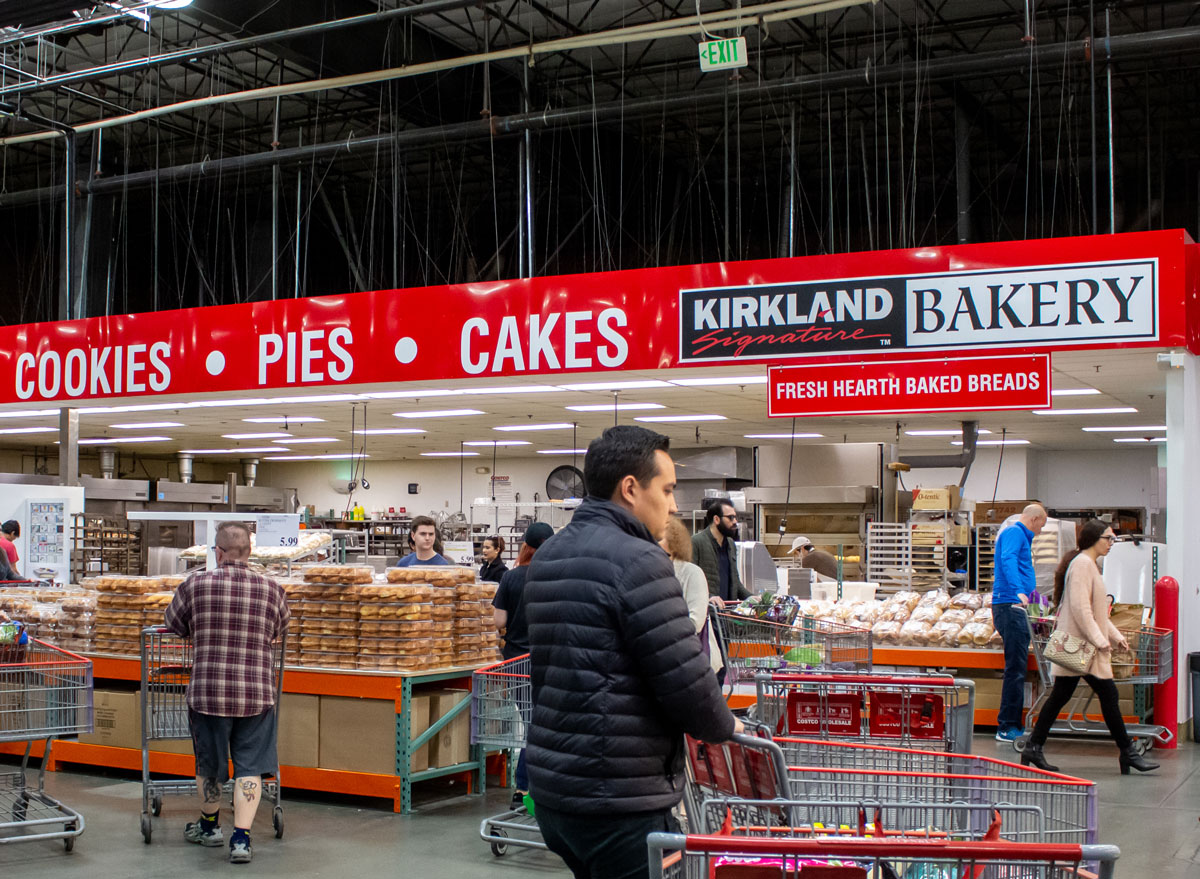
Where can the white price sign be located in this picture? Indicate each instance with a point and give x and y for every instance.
(282, 529)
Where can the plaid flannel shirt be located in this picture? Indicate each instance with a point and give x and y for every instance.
(232, 616)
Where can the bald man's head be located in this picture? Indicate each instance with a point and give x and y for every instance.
(1033, 517)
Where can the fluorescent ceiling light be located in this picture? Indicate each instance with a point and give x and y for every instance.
(340, 456)
(783, 435)
(557, 426)
(283, 419)
(1073, 392)
(146, 425)
(621, 407)
(439, 413)
(982, 431)
(106, 440)
(449, 454)
(1140, 439)
(409, 395)
(1134, 429)
(616, 386)
(29, 413)
(388, 431)
(498, 443)
(309, 439)
(316, 398)
(723, 380)
(1115, 410)
(247, 451)
(29, 430)
(241, 436)
(562, 451)
(675, 418)
(1003, 442)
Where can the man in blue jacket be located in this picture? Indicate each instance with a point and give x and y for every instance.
(1011, 590)
(618, 675)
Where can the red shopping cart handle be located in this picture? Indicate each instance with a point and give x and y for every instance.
(891, 848)
(800, 677)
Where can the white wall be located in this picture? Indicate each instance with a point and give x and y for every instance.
(981, 481)
(1117, 478)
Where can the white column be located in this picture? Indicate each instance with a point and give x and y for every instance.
(1183, 510)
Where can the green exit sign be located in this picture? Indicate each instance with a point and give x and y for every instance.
(723, 54)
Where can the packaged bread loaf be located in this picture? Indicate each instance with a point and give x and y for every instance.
(975, 634)
(339, 574)
(939, 598)
(925, 613)
(945, 633)
(887, 631)
(395, 628)
(397, 592)
(915, 632)
(967, 600)
(983, 615)
(958, 615)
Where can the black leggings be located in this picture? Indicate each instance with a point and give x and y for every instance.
(1064, 689)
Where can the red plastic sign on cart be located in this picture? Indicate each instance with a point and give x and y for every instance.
(886, 387)
(835, 714)
(915, 715)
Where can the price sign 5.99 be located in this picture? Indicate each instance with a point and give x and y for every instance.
(278, 529)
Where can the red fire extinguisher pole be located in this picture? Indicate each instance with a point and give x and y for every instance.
(1166, 695)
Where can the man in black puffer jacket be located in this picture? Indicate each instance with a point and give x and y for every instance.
(618, 674)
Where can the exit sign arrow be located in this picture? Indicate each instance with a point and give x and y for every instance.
(722, 54)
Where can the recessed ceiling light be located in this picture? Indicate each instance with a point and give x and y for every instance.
(283, 419)
(616, 386)
(106, 440)
(241, 436)
(146, 425)
(438, 413)
(783, 435)
(29, 430)
(246, 451)
(621, 407)
(29, 413)
(1073, 392)
(1140, 439)
(309, 439)
(449, 454)
(958, 432)
(386, 431)
(340, 456)
(723, 380)
(1134, 429)
(1003, 442)
(556, 426)
(675, 418)
(562, 451)
(1115, 410)
(498, 443)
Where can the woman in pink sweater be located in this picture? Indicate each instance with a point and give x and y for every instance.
(1082, 603)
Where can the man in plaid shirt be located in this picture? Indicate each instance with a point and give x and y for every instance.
(232, 615)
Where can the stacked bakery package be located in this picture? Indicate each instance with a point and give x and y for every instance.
(41, 610)
(459, 630)
(930, 619)
(325, 616)
(124, 606)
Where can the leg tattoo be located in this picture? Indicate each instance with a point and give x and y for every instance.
(248, 790)
(212, 791)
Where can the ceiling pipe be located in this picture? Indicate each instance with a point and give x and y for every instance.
(964, 459)
(186, 462)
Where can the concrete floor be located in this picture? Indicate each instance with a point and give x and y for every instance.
(1153, 818)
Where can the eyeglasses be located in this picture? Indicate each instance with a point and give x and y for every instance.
(219, 547)
(732, 517)
(1109, 537)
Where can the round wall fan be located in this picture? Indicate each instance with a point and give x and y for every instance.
(565, 482)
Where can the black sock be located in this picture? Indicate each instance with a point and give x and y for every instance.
(208, 823)
(240, 834)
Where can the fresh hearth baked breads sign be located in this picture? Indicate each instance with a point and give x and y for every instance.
(1092, 292)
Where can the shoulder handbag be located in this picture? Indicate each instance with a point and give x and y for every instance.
(1070, 651)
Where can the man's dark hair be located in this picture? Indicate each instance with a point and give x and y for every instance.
(420, 521)
(624, 450)
(12, 526)
(714, 507)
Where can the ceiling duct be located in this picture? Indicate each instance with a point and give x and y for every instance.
(108, 463)
(964, 459)
(249, 471)
(185, 467)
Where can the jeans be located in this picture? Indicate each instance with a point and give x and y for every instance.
(1012, 623)
(1064, 689)
(521, 776)
(603, 846)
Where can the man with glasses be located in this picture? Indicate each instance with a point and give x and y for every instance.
(713, 550)
(233, 616)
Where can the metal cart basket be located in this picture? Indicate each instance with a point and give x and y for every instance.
(166, 671)
(1149, 660)
(750, 645)
(501, 706)
(924, 711)
(45, 692)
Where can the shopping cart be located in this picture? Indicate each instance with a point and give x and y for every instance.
(166, 671)
(717, 857)
(924, 711)
(750, 645)
(501, 704)
(1149, 660)
(45, 692)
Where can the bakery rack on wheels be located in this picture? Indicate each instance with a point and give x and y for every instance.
(910, 710)
(715, 857)
(1149, 660)
(750, 645)
(166, 671)
(45, 692)
(501, 705)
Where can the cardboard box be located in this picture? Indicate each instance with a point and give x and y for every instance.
(936, 498)
(452, 745)
(359, 735)
(299, 730)
(419, 721)
(999, 511)
(117, 720)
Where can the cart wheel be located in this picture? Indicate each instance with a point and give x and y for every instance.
(1020, 743)
(156, 806)
(147, 828)
(277, 821)
(69, 842)
(499, 849)
(1141, 746)
(20, 807)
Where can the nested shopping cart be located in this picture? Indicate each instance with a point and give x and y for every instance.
(501, 707)
(166, 672)
(45, 693)
(1149, 660)
(917, 710)
(750, 645)
(718, 857)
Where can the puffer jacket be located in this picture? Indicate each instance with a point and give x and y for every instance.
(617, 672)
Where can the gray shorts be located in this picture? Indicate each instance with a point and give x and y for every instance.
(250, 741)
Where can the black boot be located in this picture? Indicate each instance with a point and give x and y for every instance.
(1033, 756)
(1131, 758)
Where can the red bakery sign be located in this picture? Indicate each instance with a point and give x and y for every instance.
(892, 386)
